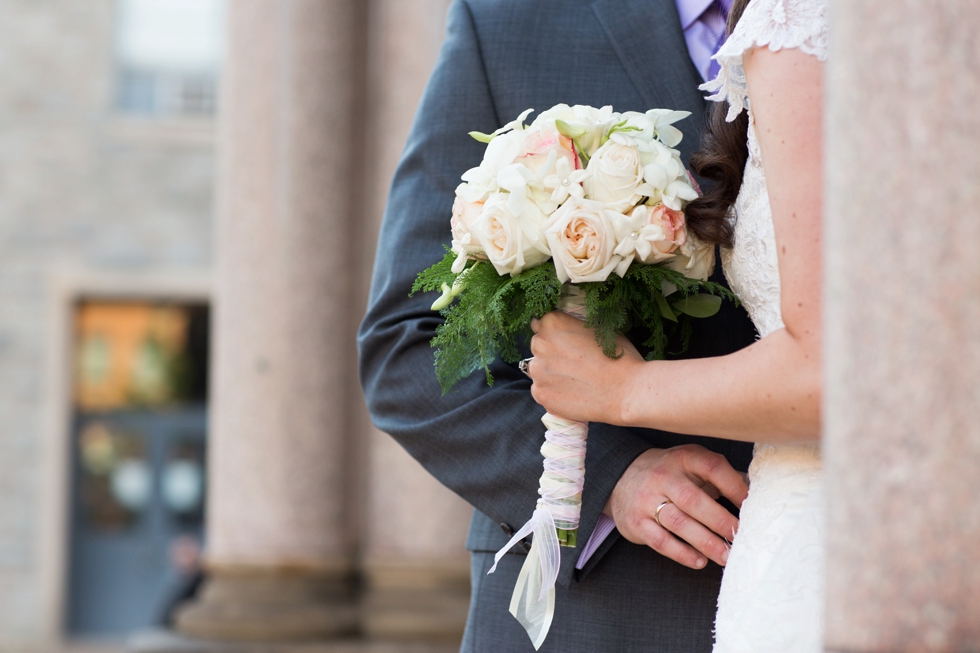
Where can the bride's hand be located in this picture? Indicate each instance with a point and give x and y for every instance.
(572, 377)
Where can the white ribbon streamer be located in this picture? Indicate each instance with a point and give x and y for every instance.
(560, 506)
(533, 601)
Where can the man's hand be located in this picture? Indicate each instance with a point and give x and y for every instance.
(692, 477)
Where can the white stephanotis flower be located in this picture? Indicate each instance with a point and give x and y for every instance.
(663, 121)
(524, 186)
(668, 162)
(515, 179)
(665, 178)
(678, 193)
(656, 124)
(566, 182)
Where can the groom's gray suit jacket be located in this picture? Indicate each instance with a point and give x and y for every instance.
(499, 58)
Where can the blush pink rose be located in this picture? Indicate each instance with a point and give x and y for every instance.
(538, 147)
(673, 224)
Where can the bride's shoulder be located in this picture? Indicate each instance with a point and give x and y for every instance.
(776, 24)
(782, 24)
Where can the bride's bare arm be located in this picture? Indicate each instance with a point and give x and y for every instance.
(769, 391)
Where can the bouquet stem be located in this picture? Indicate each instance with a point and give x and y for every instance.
(572, 302)
(568, 538)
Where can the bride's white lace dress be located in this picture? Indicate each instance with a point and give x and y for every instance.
(772, 591)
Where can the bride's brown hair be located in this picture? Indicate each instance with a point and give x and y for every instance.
(721, 159)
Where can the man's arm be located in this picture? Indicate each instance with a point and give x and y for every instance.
(482, 442)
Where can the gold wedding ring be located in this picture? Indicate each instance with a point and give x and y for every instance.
(656, 513)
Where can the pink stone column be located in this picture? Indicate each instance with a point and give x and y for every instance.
(279, 546)
(414, 560)
(902, 350)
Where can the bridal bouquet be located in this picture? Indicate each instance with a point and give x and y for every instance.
(582, 211)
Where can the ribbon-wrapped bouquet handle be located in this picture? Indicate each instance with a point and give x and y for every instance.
(556, 516)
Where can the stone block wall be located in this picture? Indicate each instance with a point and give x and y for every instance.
(83, 190)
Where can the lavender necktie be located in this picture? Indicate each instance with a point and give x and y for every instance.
(723, 7)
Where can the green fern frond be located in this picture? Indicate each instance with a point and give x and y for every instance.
(492, 315)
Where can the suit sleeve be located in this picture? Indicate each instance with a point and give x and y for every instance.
(482, 442)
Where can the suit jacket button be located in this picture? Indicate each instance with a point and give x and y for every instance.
(505, 527)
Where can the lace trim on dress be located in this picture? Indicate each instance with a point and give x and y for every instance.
(779, 24)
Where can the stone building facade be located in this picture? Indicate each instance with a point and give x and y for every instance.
(92, 203)
(99, 203)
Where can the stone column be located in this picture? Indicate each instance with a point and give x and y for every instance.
(902, 397)
(415, 562)
(279, 550)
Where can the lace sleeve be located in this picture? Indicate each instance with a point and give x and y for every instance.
(778, 24)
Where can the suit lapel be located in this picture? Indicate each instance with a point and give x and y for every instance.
(647, 37)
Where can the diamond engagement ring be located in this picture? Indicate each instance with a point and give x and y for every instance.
(656, 513)
(523, 365)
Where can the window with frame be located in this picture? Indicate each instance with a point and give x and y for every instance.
(168, 56)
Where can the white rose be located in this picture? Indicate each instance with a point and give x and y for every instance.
(678, 193)
(511, 243)
(582, 237)
(616, 173)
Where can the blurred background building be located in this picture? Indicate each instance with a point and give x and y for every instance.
(110, 136)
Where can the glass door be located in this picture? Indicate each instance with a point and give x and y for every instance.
(138, 463)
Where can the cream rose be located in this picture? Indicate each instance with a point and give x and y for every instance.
(616, 172)
(582, 238)
(511, 243)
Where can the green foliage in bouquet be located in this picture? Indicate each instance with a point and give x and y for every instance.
(493, 315)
